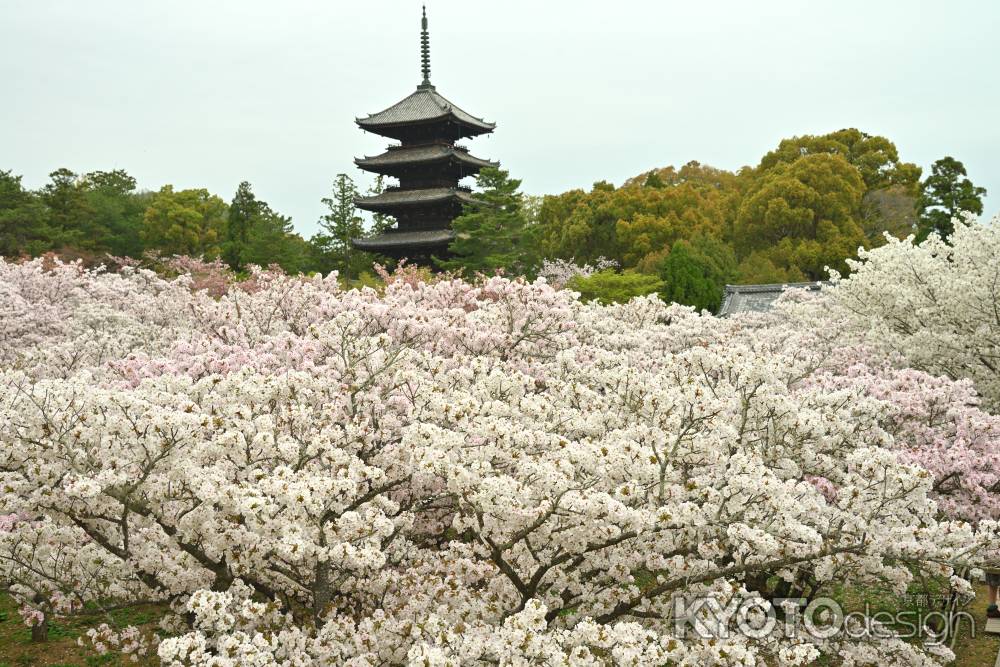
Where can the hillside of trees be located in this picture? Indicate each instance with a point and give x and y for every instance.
(807, 206)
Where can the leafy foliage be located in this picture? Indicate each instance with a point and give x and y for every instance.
(492, 235)
(340, 226)
(185, 222)
(695, 272)
(117, 211)
(875, 157)
(255, 234)
(611, 287)
(24, 222)
(946, 196)
(804, 214)
(102, 213)
(809, 204)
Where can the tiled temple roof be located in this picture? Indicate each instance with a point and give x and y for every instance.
(405, 155)
(394, 198)
(394, 239)
(758, 298)
(423, 106)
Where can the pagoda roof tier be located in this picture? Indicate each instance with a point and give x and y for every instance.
(391, 199)
(425, 106)
(404, 156)
(394, 239)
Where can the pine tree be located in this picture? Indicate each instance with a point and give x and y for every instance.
(24, 220)
(69, 211)
(492, 234)
(242, 211)
(944, 196)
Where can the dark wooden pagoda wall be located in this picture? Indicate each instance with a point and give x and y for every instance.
(423, 218)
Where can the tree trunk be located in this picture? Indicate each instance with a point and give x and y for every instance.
(40, 632)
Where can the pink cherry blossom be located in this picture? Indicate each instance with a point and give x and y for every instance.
(444, 472)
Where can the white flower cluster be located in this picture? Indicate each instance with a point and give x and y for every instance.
(558, 272)
(443, 473)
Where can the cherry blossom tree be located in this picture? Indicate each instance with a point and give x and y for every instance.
(558, 272)
(445, 473)
(935, 303)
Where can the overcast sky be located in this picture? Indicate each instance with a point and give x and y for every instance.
(208, 93)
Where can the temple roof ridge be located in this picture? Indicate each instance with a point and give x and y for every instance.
(422, 105)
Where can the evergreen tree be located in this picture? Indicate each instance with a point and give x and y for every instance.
(654, 180)
(339, 226)
(803, 215)
(117, 210)
(696, 271)
(944, 196)
(243, 210)
(256, 234)
(69, 211)
(24, 224)
(611, 287)
(272, 240)
(492, 234)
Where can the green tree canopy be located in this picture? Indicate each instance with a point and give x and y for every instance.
(117, 211)
(24, 223)
(243, 210)
(875, 157)
(695, 272)
(804, 214)
(69, 211)
(757, 269)
(612, 287)
(272, 240)
(340, 225)
(641, 218)
(185, 222)
(256, 234)
(944, 196)
(492, 234)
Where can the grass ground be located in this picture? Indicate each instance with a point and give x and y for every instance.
(17, 649)
(61, 650)
(972, 646)
(980, 651)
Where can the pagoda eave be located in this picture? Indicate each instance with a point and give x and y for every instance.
(402, 159)
(421, 109)
(396, 239)
(393, 200)
(429, 167)
(400, 130)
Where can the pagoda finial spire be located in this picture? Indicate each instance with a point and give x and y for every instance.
(425, 50)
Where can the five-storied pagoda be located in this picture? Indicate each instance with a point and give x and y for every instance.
(429, 165)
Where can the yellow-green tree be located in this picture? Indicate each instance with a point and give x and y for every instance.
(876, 158)
(803, 215)
(641, 219)
(578, 224)
(184, 222)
